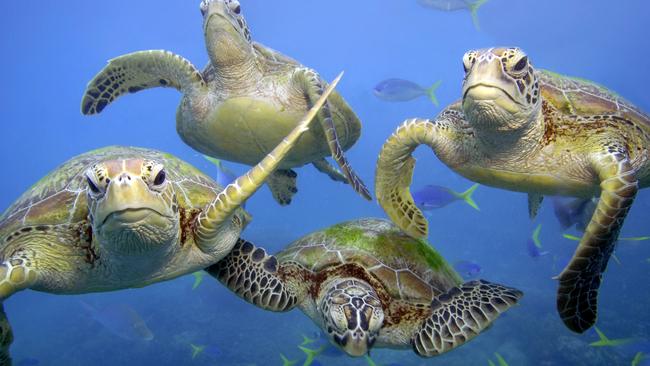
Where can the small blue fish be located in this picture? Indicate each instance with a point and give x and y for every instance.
(467, 269)
(310, 356)
(640, 359)
(197, 350)
(500, 360)
(454, 5)
(213, 352)
(603, 341)
(400, 90)
(534, 245)
(620, 239)
(432, 197)
(324, 346)
(570, 212)
(307, 340)
(286, 361)
(225, 176)
(121, 320)
(198, 278)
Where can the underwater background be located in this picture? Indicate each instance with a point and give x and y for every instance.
(52, 49)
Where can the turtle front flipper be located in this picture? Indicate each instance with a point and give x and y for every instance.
(461, 314)
(253, 275)
(282, 184)
(326, 168)
(209, 223)
(395, 166)
(136, 71)
(577, 297)
(6, 338)
(16, 274)
(313, 86)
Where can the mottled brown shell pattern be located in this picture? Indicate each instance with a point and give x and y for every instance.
(575, 96)
(409, 269)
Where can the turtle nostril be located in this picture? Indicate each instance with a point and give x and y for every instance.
(123, 178)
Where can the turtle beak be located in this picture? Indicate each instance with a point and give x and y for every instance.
(358, 346)
(355, 343)
(487, 84)
(128, 200)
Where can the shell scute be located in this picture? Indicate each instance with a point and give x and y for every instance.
(582, 97)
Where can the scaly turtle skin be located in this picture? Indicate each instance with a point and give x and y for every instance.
(538, 132)
(122, 217)
(243, 103)
(367, 283)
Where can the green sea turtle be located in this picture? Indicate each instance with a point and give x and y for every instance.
(366, 283)
(242, 104)
(538, 132)
(122, 217)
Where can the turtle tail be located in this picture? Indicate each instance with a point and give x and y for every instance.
(473, 9)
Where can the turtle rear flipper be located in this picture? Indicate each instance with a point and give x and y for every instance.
(325, 167)
(136, 71)
(577, 296)
(253, 275)
(461, 314)
(314, 87)
(282, 184)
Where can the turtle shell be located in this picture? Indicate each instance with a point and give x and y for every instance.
(582, 97)
(410, 269)
(60, 197)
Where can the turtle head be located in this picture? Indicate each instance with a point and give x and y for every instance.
(226, 33)
(500, 90)
(132, 206)
(352, 315)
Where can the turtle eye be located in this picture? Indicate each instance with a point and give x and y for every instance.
(160, 178)
(521, 64)
(234, 6)
(468, 61)
(92, 186)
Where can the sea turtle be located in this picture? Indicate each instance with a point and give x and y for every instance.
(242, 104)
(122, 217)
(365, 283)
(538, 132)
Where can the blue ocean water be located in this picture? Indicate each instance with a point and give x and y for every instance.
(52, 49)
